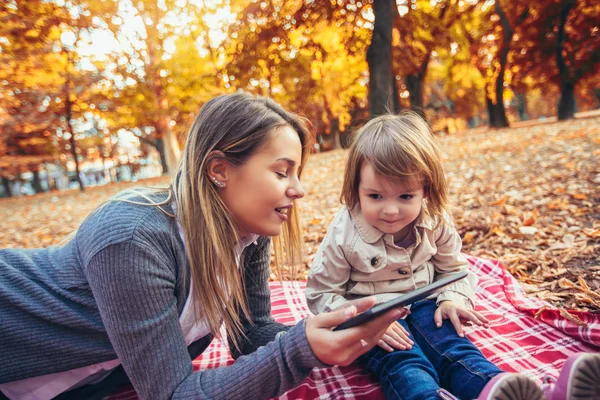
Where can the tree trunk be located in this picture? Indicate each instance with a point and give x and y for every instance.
(73, 144)
(171, 149)
(395, 95)
(522, 106)
(566, 103)
(491, 111)
(414, 85)
(160, 147)
(37, 183)
(335, 131)
(7, 188)
(333, 125)
(69, 116)
(379, 58)
(507, 33)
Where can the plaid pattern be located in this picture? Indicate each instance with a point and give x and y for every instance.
(515, 340)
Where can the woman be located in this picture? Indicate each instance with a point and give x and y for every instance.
(149, 278)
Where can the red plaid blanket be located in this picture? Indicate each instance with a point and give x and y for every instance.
(515, 340)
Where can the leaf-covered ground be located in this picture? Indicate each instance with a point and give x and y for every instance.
(528, 196)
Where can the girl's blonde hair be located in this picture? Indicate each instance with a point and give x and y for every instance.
(399, 147)
(233, 127)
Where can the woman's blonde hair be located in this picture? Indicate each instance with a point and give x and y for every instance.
(233, 127)
(402, 148)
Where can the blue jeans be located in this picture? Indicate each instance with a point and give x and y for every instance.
(439, 358)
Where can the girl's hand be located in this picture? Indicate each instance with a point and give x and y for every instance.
(344, 346)
(458, 316)
(395, 337)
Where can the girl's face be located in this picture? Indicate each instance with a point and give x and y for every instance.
(261, 192)
(387, 205)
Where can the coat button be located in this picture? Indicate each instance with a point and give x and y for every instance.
(374, 261)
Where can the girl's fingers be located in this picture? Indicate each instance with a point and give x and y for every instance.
(454, 318)
(394, 344)
(401, 335)
(474, 317)
(397, 343)
(437, 317)
(385, 346)
(480, 316)
(399, 328)
(483, 320)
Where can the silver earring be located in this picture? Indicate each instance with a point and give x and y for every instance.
(218, 182)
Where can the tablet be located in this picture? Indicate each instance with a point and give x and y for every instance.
(401, 301)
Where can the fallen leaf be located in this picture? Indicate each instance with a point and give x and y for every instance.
(498, 231)
(469, 236)
(500, 201)
(528, 230)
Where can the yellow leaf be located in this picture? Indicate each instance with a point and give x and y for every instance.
(498, 232)
(583, 283)
(469, 236)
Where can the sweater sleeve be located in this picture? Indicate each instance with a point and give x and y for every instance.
(261, 328)
(133, 284)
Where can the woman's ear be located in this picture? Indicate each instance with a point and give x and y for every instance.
(218, 168)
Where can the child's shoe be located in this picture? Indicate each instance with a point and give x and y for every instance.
(505, 386)
(508, 386)
(579, 379)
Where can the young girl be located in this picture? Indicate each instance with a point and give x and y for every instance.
(150, 277)
(393, 236)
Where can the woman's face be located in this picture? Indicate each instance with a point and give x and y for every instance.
(261, 192)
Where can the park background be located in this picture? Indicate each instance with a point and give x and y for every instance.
(97, 95)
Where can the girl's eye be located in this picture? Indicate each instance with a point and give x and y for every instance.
(375, 196)
(406, 196)
(281, 175)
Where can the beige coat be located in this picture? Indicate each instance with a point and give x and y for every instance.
(356, 259)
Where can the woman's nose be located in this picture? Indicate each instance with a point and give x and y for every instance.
(296, 191)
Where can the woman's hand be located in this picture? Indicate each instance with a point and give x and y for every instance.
(395, 337)
(344, 346)
(458, 316)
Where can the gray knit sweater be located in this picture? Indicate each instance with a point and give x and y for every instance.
(116, 291)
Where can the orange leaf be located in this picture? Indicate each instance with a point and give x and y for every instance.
(500, 202)
(591, 233)
(529, 221)
(580, 196)
(469, 236)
